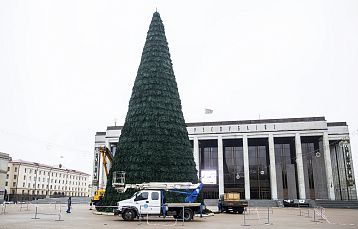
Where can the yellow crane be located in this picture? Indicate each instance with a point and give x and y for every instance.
(106, 155)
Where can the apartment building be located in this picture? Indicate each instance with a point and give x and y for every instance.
(30, 180)
(4, 162)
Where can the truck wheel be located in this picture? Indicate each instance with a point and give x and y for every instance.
(128, 215)
(188, 214)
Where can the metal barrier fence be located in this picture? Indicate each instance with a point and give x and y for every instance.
(3, 209)
(312, 213)
(37, 212)
(146, 215)
(163, 225)
(24, 206)
(267, 211)
(319, 214)
(56, 204)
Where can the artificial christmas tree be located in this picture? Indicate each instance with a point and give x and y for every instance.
(154, 144)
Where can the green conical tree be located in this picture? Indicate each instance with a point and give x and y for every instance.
(154, 144)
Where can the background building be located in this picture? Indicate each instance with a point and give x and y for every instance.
(293, 158)
(30, 180)
(4, 161)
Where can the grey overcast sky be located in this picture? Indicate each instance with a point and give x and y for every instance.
(67, 67)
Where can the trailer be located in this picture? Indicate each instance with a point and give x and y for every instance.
(151, 201)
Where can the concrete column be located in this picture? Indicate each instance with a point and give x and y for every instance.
(272, 168)
(196, 154)
(299, 163)
(246, 167)
(328, 167)
(101, 175)
(221, 165)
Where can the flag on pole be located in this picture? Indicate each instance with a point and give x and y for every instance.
(208, 111)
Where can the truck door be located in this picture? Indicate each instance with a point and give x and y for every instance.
(148, 202)
(155, 202)
(142, 202)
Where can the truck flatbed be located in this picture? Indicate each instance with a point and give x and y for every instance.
(183, 204)
(231, 202)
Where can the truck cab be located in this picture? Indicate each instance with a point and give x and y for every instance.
(145, 201)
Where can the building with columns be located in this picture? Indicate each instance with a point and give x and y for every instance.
(291, 158)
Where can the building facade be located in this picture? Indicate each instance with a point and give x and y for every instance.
(4, 162)
(294, 158)
(30, 180)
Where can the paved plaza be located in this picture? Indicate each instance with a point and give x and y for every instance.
(19, 217)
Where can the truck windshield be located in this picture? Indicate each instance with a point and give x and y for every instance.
(134, 195)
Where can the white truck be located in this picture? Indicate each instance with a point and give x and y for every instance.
(151, 201)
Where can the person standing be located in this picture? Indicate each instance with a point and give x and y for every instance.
(69, 205)
(220, 206)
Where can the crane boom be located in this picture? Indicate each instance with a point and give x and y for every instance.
(105, 153)
(163, 185)
(118, 183)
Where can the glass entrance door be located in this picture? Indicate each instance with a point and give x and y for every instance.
(259, 169)
(234, 180)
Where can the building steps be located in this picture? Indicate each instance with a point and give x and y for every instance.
(263, 203)
(252, 203)
(351, 204)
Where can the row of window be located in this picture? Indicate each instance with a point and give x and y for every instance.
(13, 184)
(43, 186)
(55, 174)
(59, 187)
(43, 180)
(27, 170)
(38, 192)
(59, 181)
(15, 168)
(144, 196)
